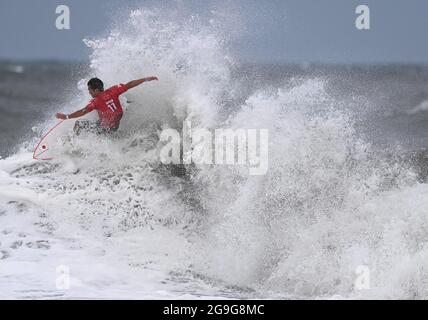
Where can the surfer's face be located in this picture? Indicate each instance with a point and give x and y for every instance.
(93, 92)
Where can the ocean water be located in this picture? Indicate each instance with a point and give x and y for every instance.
(346, 185)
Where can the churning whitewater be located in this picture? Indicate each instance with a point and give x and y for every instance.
(120, 224)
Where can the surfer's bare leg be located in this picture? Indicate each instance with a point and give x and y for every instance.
(77, 128)
(88, 126)
(81, 125)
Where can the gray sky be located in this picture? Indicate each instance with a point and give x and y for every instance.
(277, 30)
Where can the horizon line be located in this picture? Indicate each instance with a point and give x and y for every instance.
(239, 61)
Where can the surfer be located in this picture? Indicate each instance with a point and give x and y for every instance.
(107, 104)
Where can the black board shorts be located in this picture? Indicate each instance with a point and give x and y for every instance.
(94, 127)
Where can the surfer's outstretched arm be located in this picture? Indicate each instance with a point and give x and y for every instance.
(77, 114)
(135, 83)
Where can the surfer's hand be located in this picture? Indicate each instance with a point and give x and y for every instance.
(61, 116)
(152, 79)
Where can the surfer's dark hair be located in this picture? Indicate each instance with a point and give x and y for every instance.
(95, 84)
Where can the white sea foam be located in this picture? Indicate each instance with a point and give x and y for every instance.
(422, 107)
(16, 68)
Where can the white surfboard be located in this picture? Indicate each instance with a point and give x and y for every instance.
(49, 146)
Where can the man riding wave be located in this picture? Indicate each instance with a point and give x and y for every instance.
(107, 104)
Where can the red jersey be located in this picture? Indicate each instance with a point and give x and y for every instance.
(108, 106)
